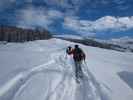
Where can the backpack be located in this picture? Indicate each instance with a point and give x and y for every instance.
(78, 54)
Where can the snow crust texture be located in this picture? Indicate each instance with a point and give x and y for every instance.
(51, 75)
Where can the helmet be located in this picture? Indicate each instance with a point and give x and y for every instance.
(76, 46)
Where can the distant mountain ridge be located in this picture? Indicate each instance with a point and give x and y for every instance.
(15, 34)
(124, 44)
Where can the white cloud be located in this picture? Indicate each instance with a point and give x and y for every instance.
(102, 24)
(126, 21)
(32, 17)
(71, 23)
(55, 14)
(80, 26)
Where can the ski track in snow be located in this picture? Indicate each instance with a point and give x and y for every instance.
(8, 91)
(88, 89)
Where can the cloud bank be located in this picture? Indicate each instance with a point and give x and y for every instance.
(107, 23)
(69, 15)
(37, 17)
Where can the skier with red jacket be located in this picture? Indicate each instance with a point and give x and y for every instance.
(78, 56)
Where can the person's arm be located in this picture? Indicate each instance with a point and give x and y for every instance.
(72, 51)
(69, 52)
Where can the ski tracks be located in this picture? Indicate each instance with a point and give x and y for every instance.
(64, 88)
(88, 89)
(8, 90)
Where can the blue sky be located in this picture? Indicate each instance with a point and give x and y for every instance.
(97, 18)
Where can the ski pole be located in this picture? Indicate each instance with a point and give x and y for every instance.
(65, 56)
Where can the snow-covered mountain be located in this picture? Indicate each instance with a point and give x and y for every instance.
(126, 43)
(123, 44)
(41, 70)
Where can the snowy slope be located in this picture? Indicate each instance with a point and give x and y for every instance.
(124, 42)
(40, 70)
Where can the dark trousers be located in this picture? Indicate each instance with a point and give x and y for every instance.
(78, 69)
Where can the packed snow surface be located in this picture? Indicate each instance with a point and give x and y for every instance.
(41, 70)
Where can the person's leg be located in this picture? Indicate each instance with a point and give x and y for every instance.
(80, 69)
(77, 72)
(76, 69)
(79, 66)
